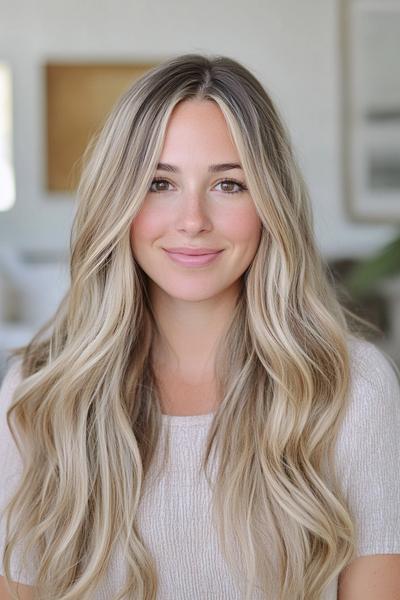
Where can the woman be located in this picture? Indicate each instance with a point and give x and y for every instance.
(202, 415)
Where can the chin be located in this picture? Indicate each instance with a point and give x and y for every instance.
(191, 295)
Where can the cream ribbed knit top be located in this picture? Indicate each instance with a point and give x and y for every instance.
(174, 514)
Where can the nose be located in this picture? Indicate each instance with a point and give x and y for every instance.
(193, 215)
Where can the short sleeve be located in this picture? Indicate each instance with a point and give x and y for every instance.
(368, 450)
(10, 470)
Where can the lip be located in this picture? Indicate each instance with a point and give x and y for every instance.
(192, 251)
(193, 260)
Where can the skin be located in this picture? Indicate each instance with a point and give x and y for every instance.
(194, 305)
(371, 578)
(26, 592)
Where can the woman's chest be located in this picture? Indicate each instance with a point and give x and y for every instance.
(180, 397)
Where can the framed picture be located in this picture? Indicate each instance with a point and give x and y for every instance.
(7, 175)
(370, 51)
(79, 97)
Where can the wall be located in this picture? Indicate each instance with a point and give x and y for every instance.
(291, 46)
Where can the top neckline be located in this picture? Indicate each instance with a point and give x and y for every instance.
(184, 420)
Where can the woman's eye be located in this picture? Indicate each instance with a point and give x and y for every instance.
(232, 182)
(157, 181)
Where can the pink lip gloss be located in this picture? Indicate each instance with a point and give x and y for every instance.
(190, 260)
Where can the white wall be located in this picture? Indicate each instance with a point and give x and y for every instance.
(290, 45)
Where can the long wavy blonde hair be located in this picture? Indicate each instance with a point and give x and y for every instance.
(87, 414)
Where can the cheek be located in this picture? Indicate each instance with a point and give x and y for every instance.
(242, 226)
(146, 226)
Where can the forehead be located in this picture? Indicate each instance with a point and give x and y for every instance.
(198, 129)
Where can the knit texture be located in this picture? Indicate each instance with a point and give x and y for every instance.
(174, 514)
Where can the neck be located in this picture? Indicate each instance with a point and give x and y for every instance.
(189, 332)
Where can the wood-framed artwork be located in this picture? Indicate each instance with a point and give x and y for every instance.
(370, 65)
(79, 97)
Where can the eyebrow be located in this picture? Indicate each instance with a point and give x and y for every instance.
(212, 168)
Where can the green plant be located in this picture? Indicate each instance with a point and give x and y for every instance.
(364, 276)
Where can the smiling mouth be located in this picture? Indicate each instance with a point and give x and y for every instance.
(193, 260)
(192, 251)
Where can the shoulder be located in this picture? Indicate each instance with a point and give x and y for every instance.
(9, 383)
(10, 462)
(11, 468)
(368, 442)
(368, 449)
(373, 404)
(374, 385)
(371, 365)
(11, 379)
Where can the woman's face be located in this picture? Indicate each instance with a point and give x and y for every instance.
(196, 207)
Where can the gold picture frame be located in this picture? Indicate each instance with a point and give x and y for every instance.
(79, 96)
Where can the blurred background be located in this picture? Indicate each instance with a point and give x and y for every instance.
(331, 67)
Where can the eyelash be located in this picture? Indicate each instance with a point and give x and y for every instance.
(241, 185)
